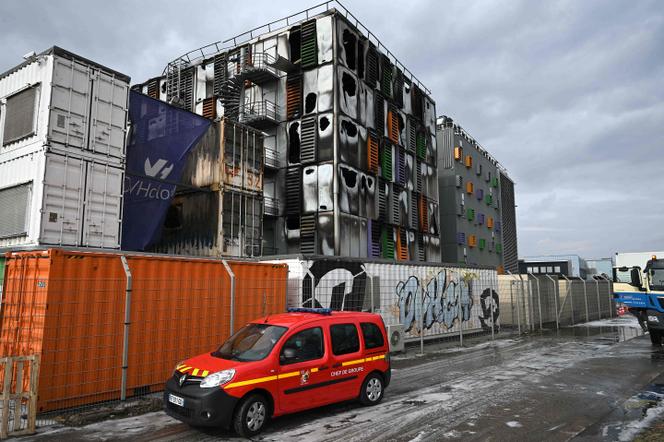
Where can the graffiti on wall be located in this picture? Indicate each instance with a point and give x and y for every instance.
(446, 298)
(490, 306)
(339, 287)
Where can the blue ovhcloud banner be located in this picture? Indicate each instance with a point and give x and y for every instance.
(161, 137)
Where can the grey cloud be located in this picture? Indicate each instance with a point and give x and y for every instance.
(567, 95)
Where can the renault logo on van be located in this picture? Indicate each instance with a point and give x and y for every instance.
(160, 168)
(182, 380)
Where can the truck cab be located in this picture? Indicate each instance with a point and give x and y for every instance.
(642, 291)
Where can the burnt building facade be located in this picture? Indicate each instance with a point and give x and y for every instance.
(349, 164)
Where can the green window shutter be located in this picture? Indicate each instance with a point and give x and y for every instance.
(488, 199)
(499, 248)
(470, 214)
(421, 146)
(387, 243)
(482, 244)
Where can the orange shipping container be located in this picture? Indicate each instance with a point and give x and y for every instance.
(69, 307)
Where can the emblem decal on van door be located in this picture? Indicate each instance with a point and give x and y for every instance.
(304, 377)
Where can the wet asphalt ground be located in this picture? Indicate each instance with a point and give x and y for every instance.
(581, 383)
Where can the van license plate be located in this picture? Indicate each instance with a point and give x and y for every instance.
(177, 400)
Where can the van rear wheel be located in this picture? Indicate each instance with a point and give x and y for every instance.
(372, 389)
(251, 416)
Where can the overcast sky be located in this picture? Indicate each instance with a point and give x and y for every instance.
(568, 96)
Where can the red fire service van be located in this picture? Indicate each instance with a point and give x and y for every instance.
(282, 364)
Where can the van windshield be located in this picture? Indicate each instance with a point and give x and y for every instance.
(252, 342)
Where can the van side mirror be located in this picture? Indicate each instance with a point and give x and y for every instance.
(635, 274)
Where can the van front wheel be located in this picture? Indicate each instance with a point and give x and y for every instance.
(655, 337)
(251, 416)
(372, 389)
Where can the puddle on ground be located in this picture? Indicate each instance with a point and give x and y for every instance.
(608, 334)
(635, 410)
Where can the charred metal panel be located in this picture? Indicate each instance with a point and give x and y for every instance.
(326, 233)
(325, 184)
(324, 36)
(362, 157)
(407, 104)
(367, 116)
(293, 137)
(191, 226)
(348, 141)
(310, 90)
(368, 196)
(310, 189)
(347, 54)
(410, 171)
(325, 88)
(325, 137)
(347, 83)
(349, 189)
(203, 166)
(230, 154)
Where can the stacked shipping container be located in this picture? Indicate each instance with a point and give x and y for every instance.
(217, 209)
(62, 132)
(69, 308)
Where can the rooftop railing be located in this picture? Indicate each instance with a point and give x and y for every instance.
(211, 49)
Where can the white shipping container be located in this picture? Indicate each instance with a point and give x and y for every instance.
(636, 259)
(63, 101)
(53, 199)
(446, 298)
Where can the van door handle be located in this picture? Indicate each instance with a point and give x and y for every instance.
(337, 365)
(324, 367)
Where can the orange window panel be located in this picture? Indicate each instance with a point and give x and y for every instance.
(402, 249)
(424, 216)
(472, 241)
(393, 127)
(210, 108)
(470, 188)
(489, 223)
(469, 161)
(458, 153)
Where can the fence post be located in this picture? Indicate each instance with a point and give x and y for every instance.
(497, 286)
(527, 321)
(461, 322)
(539, 300)
(127, 323)
(555, 299)
(518, 312)
(585, 298)
(6, 392)
(610, 291)
(422, 325)
(599, 306)
(570, 294)
(518, 306)
(232, 306)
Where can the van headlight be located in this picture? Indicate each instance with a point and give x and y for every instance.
(217, 379)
